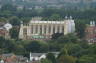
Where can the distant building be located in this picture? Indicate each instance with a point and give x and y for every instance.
(12, 58)
(90, 33)
(4, 33)
(5, 29)
(20, 7)
(2, 61)
(37, 29)
(39, 56)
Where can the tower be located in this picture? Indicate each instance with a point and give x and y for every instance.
(21, 31)
(69, 26)
(92, 23)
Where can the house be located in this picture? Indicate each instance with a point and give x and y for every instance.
(5, 29)
(21, 58)
(12, 58)
(9, 58)
(39, 56)
(3, 32)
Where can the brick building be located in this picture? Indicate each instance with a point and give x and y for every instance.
(90, 33)
(12, 58)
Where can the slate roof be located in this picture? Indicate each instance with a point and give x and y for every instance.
(39, 54)
(8, 55)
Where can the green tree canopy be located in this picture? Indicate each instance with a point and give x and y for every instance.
(37, 46)
(14, 33)
(8, 7)
(15, 21)
(55, 17)
(68, 38)
(51, 57)
(87, 59)
(45, 61)
(57, 35)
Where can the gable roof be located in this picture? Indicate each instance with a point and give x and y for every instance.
(7, 55)
(40, 54)
(37, 54)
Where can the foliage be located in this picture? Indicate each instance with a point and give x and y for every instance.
(51, 57)
(67, 59)
(8, 7)
(70, 53)
(55, 17)
(80, 27)
(14, 33)
(14, 21)
(73, 48)
(37, 46)
(2, 19)
(56, 35)
(87, 59)
(68, 38)
(45, 61)
(6, 45)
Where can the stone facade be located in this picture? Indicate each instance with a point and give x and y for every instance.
(37, 29)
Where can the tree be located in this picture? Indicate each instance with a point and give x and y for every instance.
(2, 19)
(57, 35)
(73, 48)
(14, 32)
(55, 17)
(51, 57)
(63, 52)
(68, 38)
(6, 46)
(45, 61)
(67, 59)
(92, 49)
(15, 21)
(26, 19)
(80, 27)
(87, 59)
(65, 56)
(8, 7)
(19, 49)
(37, 46)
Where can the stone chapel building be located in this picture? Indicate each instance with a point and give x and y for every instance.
(37, 29)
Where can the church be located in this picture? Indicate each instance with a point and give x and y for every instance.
(37, 29)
